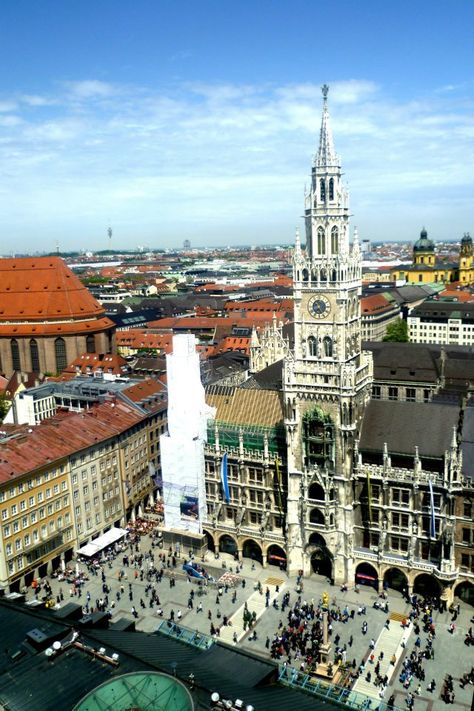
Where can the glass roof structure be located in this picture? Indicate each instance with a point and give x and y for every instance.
(140, 691)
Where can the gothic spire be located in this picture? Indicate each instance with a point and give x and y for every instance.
(326, 153)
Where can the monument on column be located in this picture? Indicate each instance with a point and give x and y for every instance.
(182, 448)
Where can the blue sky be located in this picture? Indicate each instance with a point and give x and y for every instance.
(198, 120)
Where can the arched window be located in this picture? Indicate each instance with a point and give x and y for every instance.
(327, 343)
(312, 347)
(60, 352)
(35, 363)
(321, 241)
(90, 344)
(334, 240)
(16, 362)
(305, 275)
(322, 190)
(331, 189)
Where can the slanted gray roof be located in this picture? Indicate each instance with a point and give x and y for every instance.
(403, 362)
(406, 425)
(467, 442)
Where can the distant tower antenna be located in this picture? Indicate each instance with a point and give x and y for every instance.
(57, 247)
(109, 235)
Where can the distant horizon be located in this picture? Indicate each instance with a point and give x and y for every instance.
(199, 248)
(200, 121)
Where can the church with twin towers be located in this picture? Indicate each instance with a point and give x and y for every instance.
(322, 477)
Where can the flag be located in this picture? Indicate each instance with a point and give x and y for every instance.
(433, 519)
(224, 479)
(369, 495)
(278, 478)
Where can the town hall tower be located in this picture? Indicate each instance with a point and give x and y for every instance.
(327, 378)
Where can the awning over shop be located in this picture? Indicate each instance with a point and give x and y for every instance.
(97, 545)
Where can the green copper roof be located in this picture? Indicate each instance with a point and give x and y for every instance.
(143, 691)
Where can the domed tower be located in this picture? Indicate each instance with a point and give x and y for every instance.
(466, 260)
(424, 250)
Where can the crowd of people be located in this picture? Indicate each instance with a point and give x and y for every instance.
(302, 627)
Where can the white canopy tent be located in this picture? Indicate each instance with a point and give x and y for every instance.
(98, 544)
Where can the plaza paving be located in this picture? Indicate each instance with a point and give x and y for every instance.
(452, 656)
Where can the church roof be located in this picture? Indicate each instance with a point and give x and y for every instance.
(423, 244)
(41, 295)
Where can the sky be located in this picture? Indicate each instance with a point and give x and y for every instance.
(199, 119)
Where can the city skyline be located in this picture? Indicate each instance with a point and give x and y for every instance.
(195, 123)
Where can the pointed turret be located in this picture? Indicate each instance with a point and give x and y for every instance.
(356, 243)
(326, 154)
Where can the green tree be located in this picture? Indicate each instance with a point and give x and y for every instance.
(4, 406)
(397, 331)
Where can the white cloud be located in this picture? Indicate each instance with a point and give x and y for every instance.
(226, 159)
(90, 88)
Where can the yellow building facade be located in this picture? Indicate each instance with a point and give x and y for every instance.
(428, 269)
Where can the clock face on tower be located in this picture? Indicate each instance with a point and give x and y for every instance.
(319, 306)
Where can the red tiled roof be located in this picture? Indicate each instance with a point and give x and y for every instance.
(143, 338)
(143, 389)
(44, 289)
(62, 435)
(375, 303)
(90, 362)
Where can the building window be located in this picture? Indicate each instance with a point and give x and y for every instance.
(410, 394)
(321, 241)
(376, 392)
(400, 521)
(322, 190)
(334, 240)
(467, 513)
(393, 393)
(399, 544)
(328, 349)
(35, 365)
(15, 351)
(400, 497)
(255, 475)
(60, 352)
(331, 188)
(90, 344)
(312, 347)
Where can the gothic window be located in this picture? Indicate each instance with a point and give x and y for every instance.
(322, 190)
(35, 366)
(316, 492)
(312, 347)
(60, 352)
(328, 349)
(334, 240)
(316, 516)
(305, 275)
(90, 344)
(334, 275)
(331, 189)
(318, 441)
(321, 241)
(324, 275)
(16, 362)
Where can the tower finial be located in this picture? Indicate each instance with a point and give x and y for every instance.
(326, 156)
